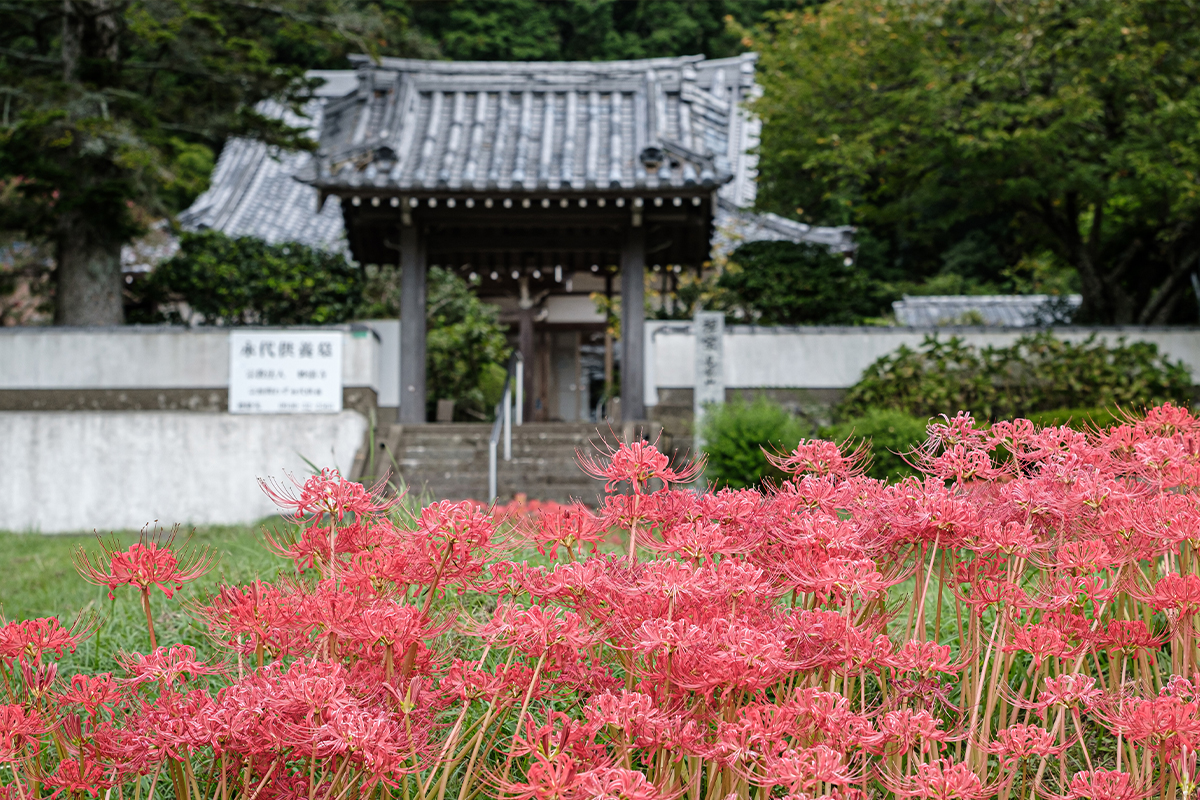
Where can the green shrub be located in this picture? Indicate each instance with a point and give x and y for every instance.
(245, 281)
(1078, 418)
(1037, 373)
(889, 433)
(783, 283)
(466, 347)
(734, 437)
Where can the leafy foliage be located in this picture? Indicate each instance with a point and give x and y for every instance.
(466, 347)
(889, 434)
(1036, 373)
(781, 283)
(584, 30)
(245, 281)
(1078, 418)
(112, 110)
(967, 137)
(735, 434)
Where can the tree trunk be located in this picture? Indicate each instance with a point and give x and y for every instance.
(89, 286)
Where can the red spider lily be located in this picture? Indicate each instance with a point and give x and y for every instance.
(639, 719)
(1068, 691)
(19, 732)
(614, 783)
(328, 495)
(1129, 636)
(545, 779)
(38, 679)
(942, 780)
(144, 565)
(93, 692)
(259, 618)
(962, 463)
(821, 458)
(1042, 642)
(907, 728)
(1177, 593)
(1020, 742)
(167, 665)
(539, 632)
(1102, 784)
(1168, 723)
(698, 666)
(803, 769)
(1010, 538)
(29, 640)
(571, 527)
(455, 538)
(77, 778)
(636, 464)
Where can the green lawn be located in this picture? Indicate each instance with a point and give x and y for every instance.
(41, 581)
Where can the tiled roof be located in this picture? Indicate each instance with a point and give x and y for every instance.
(1016, 311)
(653, 124)
(704, 127)
(736, 226)
(253, 190)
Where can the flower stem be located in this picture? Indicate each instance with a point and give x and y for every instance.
(149, 619)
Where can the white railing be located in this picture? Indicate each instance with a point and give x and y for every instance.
(504, 419)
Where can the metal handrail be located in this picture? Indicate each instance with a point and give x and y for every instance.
(504, 418)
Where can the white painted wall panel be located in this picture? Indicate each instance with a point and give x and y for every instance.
(834, 358)
(139, 357)
(108, 470)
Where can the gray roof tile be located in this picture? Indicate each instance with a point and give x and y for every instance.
(463, 126)
(1015, 311)
(536, 126)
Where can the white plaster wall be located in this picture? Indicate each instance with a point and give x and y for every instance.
(834, 358)
(108, 470)
(388, 331)
(150, 357)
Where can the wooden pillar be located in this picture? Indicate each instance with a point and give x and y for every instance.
(412, 327)
(633, 324)
(525, 345)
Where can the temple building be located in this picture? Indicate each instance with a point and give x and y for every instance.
(541, 183)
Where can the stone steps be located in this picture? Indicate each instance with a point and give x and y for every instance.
(450, 461)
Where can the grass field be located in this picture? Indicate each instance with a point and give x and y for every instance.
(40, 581)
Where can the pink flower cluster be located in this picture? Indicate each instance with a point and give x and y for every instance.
(1020, 622)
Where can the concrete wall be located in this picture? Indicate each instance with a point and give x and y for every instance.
(63, 471)
(147, 357)
(834, 358)
(76, 456)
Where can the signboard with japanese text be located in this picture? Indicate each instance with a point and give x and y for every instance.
(285, 372)
(709, 328)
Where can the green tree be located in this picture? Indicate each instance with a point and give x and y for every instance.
(781, 283)
(583, 30)
(106, 104)
(1060, 126)
(245, 281)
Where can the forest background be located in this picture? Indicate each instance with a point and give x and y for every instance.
(1050, 146)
